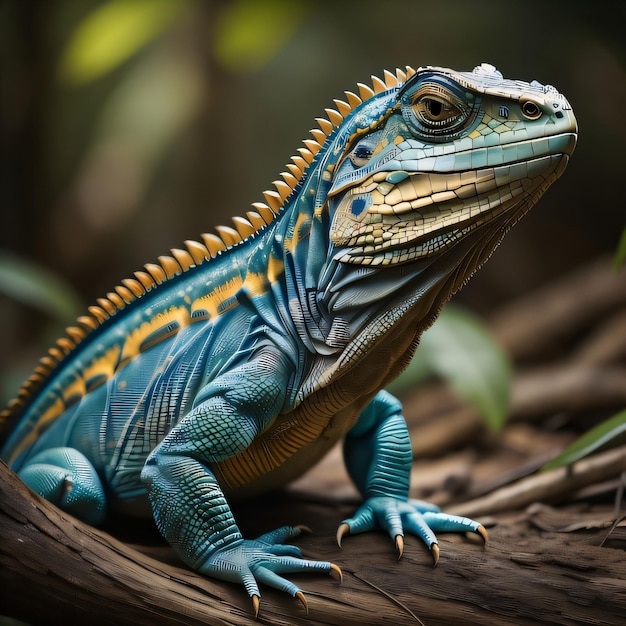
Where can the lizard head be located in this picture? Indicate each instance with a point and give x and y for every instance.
(450, 152)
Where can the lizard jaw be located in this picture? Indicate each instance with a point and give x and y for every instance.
(402, 223)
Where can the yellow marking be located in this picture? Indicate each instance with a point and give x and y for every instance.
(383, 144)
(398, 139)
(301, 227)
(134, 343)
(474, 134)
(74, 391)
(103, 365)
(221, 299)
(46, 418)
(256, 284)
(275, 268)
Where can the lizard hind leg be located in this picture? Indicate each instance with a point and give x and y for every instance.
(66, 478)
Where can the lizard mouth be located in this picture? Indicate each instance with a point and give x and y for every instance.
(397, 217)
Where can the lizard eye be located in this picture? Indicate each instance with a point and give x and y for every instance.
(435, 111)
(531, 110)
(360, 155)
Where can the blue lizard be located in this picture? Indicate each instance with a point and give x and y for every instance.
(233, 365)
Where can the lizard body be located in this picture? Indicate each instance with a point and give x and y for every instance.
(230, 367)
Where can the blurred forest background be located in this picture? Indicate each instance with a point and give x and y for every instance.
(128, 126)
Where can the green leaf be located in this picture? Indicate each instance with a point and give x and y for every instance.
(620, 255)
(249, 33)
(607, 433)
(30, 284)
(145, 114)
(459, 349)
(112, 33)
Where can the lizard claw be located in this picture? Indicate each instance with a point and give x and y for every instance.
(265, 560)
(336, 570)
(400, 516)
(399, 545)
(483, 533)
(303, 601)
(342, 531)
(434, 550)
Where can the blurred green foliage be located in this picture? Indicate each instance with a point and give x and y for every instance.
(459, 349)
(112, 33)
(35, 286)
(248, 33)
(608, 433)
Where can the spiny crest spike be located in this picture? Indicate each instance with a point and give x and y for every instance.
(256, 220)
(47, 361)
(282, 188)
(156, 271)
(145, 279)
(243, 227)
(300, 162)
(409, 71)
(306, 154)
(77, 334)
(213, 243)
(135, 286)
(184, 259)
(169, 265)
(365, 91)
(378, 85)
(353, 99)
(229, 235)
(41, 371)
(273, 199)
(325, 125)
(264, 211)
(87, 322)
(117, 300)
(198, 251)
(125, 294)
(391, 80)
(107, 305)
(295, 170)
(318, 135)
(334, 116)
(66, 344)
(312, 145)
(290, 179)
(99, 313)
(400, 75)
(343, 107)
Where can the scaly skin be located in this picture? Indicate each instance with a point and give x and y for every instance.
(231, 367)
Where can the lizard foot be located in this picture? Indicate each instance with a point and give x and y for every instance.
(264, 560)
(414, 516)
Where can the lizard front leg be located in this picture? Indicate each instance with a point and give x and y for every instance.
(188, 504)
(378, 457)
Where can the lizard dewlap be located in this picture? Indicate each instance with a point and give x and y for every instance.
(232, 365)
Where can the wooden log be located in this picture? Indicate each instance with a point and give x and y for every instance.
(53, 569)
(542, 320)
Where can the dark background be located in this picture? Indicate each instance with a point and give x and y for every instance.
(104, 171)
